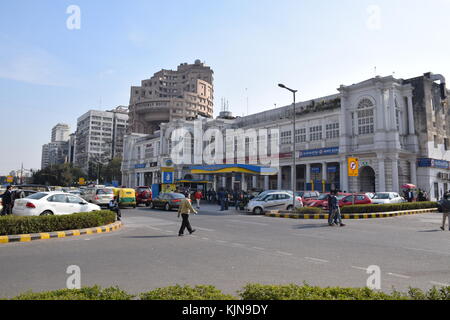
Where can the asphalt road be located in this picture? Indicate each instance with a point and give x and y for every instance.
(230, 250)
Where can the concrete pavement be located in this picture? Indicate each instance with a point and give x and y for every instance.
(230, 250)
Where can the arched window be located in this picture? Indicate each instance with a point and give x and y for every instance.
(365, 116)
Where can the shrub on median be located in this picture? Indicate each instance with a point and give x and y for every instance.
(87, 293)
(309, 210)
(186, 293)
(373, 208)
(13, 225)
(255, 292)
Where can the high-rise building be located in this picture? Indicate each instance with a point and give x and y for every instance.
(60, 132)
(186, 93)
(99, 136)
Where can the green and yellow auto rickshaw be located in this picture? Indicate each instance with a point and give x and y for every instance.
(126, 197)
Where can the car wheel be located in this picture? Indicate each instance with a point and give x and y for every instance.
(167, 207)
(47, 213)
(150, 205)
(289, 208)
(147, 204)
(257, 210)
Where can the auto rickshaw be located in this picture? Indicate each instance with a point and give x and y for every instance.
(126, 197)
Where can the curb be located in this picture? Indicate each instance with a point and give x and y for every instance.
(60, 234)
(351, 216)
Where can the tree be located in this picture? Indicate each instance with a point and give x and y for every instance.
(63, 175)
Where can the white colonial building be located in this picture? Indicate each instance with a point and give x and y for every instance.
(398, 129)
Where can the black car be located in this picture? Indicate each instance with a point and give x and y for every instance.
(167, 201)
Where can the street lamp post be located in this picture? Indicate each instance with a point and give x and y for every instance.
(294, 166)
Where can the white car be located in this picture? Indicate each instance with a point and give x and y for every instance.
(52, 203)
(273, 201)
(387, 197)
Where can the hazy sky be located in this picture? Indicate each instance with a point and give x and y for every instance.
(50, 74)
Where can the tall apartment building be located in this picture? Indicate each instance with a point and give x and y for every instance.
(57, 151)
(99, 136)
(60, 132)
(186, 93)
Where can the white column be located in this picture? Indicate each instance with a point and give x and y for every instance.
(266, 182)
(324, 171)
(411, 126)
(293, 178)
(395, 184)
(381, 175)
(224, 182)
(393, 124)
(243, 182)
(254, 181)
(308, 173)
(279, 178)
(343, 175)
(233, 180)
(413, 166)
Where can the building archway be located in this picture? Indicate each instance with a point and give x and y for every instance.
(367, 179)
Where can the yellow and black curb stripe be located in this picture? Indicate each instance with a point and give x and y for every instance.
(350, 216)
(60, 234)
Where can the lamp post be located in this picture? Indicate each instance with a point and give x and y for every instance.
(294, 166)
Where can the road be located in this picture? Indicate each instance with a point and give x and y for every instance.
(230, 250)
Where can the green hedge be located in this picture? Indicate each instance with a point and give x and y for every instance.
(13, 225)
(253, 292)
(186, 293)
(371, 208)
(309, 210)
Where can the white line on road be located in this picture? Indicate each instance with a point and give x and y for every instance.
(258, 248)
(247, 222)
(237, 244)
(205, 229)
(285, 253)
(205, 238)
(440, 284)
(221, 241)
(398, 275)
(317, 260)
(359, 268)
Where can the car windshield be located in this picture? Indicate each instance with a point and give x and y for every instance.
(143, 189)
(105, 191)
(37, 196)
(177, 196)
(323, 197)
(341, 197)
(381, 196)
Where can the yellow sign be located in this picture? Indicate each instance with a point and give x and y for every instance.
(353, 167)
(9, 179)
(167, 188)
(81, 181)
(167, 169)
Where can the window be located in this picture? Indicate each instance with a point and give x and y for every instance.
(315, 133)
(73, 199)
(365, 117)
(332, 130)
(57, 198)
(286, 137)
(300, 135)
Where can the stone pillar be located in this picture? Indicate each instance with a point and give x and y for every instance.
(243, 182)
(395, 184)
(254, 182)
(224, 182)
(343, 175)
(308, 173)
(411, 126)
(279, 178)
(233, 180)
(413, 170)
(293, 178)
(381, 174)
(392, 124)
(266, 182)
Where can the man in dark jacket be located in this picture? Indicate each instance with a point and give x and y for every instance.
(444, 207)
(7, 201)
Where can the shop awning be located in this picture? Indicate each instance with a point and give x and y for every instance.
(234, 168)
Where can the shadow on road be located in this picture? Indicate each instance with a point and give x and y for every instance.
(434, 230)
(311, 226)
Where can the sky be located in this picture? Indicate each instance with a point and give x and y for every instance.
(50, 73)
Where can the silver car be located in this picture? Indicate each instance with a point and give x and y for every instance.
(99, 196)
(273, 201)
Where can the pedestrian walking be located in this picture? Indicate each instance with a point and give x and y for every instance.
(185, 210)
(7, 201)
(198, 196)
(114, 207)
(444, 207)
(336, 211)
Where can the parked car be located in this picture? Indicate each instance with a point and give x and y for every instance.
(143, 195)
(100, 196)
(308, 195)
(359, 199)
(265, 193)
(339, 197)
(273, 201)
(52, 203)
(167, 201)
(387, 197)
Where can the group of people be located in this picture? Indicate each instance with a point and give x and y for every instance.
(410, 196)
(8, 199)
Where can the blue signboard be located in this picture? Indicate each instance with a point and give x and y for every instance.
(432, 163)
(332, 169)
(319, 152)
(167, 177)
(140, 166)
(315, 170)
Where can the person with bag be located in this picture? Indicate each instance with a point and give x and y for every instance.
(185, 210)
(336, 211)
(7, 201)
(198, 196)
(114, 206)
(444, 207)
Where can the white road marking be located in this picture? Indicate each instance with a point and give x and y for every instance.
(440, 284)
(398, 275)
(317, 260)
(237, 244)
(248, 222)
(221, 241)
(359, 268)
(258, 248)
(285, 253)
(205, 238)
(427, 250)
(205, 229)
